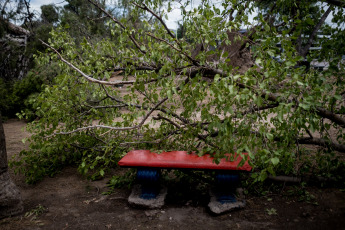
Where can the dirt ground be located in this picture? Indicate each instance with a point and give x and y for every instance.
(69, 201)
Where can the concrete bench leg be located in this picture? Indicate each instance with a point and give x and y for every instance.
(148, 193)
(224, 196)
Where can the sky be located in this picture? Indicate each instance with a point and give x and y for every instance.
(36, 4)
(173, 17)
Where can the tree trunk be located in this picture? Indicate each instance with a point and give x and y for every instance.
(10, 199)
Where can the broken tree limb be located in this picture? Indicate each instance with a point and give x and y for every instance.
(289, 179)
(322, 142)
(14, 29)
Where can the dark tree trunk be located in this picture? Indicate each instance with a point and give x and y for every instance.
(303, 51)
(10, 199)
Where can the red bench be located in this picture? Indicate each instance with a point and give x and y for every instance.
(149, 164)
(180, 159)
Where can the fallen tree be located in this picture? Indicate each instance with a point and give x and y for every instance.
(144, 88)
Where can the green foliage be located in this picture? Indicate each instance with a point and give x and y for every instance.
(10, 59)
(15, 94)
(35, 46)
(49, 13)
(17, 71)
(168, 95)
(2, 29)
(271, 211)
(180, 31)
(34, 213)
(18, 96)
(28, 89)
(325, 165)
(4, 98)
(303, 195)
(82, 19)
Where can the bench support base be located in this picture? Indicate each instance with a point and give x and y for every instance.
(135, 198)
(224, 196)
(148, 193)
(217, 206)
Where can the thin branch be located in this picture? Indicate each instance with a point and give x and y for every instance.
(289, 179)
(140, 142)
(120, 24)
(94, 80)
(232, 11)
(237, 115)
(160, 117)
(309, 133)
(303, 52)
(195, 62)
(94, 127)
(257, 109)
(241, 11)
(123, 102)
(280, 24)
(86, 148)
(30, 15)
(162, 40)
(137, 68)
(340, 3)
(111, 127)
(253, 32)
(153, 109)
(91, 79)
(166, 136)
(169, 112)
(109, 96)
(94, 136)
(322, 142)
(95, 19)
(106, 106)
(183, 119)
(3, 8)
(270, 96)
(144, 7)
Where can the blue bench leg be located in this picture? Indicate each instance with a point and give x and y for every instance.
(226, 184)
(149, 181)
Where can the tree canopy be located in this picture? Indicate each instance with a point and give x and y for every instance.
(21, 32)
(215, 90)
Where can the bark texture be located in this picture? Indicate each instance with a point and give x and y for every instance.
(10, 198)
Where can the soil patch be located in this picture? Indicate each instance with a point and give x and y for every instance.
(69, 201)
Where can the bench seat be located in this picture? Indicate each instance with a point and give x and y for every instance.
(180, 160)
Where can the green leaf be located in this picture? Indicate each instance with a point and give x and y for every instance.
(304, 106)
(269, 136)
(275, 160)
(169, 93)
(263, 175)
(280, 116)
